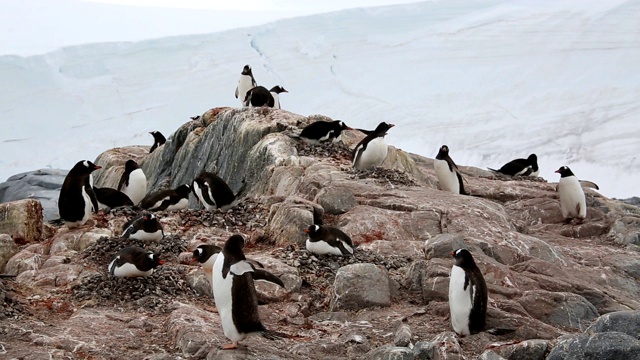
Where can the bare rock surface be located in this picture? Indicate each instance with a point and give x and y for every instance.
(547, 281)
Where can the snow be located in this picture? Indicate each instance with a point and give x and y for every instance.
(493, 80)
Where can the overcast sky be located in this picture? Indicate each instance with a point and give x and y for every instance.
(30, 27)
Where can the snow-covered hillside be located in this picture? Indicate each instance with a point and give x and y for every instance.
(494, 80)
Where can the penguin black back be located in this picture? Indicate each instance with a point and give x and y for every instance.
(71, 202)
(210, 184)
(112, 198)
(320, 131)
(473, 278)
(129, 166)
(443, 154)
(158, 140)
(259, 96)
(363, 146)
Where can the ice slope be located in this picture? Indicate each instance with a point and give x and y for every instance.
(494, 80)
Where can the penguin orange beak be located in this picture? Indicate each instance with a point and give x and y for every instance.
(192, 261)
(306, 230)
(557, 171)
(161, 262)
(348, 128)
(98, 167)
(452, 253)
(391, 125)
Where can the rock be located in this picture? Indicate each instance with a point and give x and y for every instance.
(335, 200)
(289, 218)
(187, 323)
(360, 286)
(77, 240)
(198, 281)
(25, 260)
(627, 322)
(112, 163)
(490, 355)
(8, 248)
(607, 345)
(528, 349)
(59, 275)
(448, 346)
(42, 185)
(389, 352)
(407, 249)
(22, 220)
(424, 350)
(403, 335)
(429, 278)
(566, 310)
(442, 245)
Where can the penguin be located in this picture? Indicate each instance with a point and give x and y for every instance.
(77, 199)
(323, 131)
(158, 140)
(207, 254)
(211, 191)
(275, 93)
(328, 240)
(166, 200)
(235, 295)
(133, 182)
(520, 167)
(259, 96)
(144, 227)
(134, 262)
(246, 83)
(572, 200)
(109, 198)
(449, 176)
(467, 295)
(372, 150)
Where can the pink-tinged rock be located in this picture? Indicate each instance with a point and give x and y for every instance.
(561, 309)
(22, 220)
(23, 261)
(59, 275)
(8, 249)
(76, 240)
(289, 218)
(187, 325)
(407, 249)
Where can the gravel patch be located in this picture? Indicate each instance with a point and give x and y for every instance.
(383, 176)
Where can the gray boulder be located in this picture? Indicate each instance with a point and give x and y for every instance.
(608, 345)
(42, 185)
(360, 286)
(562, 309)
(390, 353)
(627, 322)
(8, 248)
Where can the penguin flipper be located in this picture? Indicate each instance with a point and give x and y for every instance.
(500, 331)
(255, 263)
(274, 335)
(236, 92)
(260, 274)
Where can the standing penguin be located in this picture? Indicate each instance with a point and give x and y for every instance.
(133, 182)
(144, 227)
(372, 150)
(134, 262)
(572, 200)
(467, 295)
(259, 96)
(212, 191)
(328, 240)
(168, 199)
(520, 167)
(111, 198)
(158, 140)
(275, 93)
(448, 173)
(323, 131)
(77, 199)
(245, 83)
(235, 294)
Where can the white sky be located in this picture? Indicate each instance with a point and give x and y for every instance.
(30, 27)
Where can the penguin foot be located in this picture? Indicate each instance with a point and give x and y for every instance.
(579, 221)
(567, 221)
(233, 345)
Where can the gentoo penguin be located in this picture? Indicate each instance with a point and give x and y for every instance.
(143, 227)
(259, 96)
(133, 182)
(372, 150)
(134, 262)
(245, 83)
(275, 93)
(235, 294)
(166, 200)
(448, 173)
(520, 167)
(111, 198)
(467, 295)
(158, 139)
(211, 191)
(207, 254)
(572, 199)
(77, 199)
(323, 131)
(328, 240)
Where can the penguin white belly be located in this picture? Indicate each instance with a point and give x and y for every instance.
(374, 154)
(142, 235)
(137, 188)
(159, 203)
(523, 171)
(244, 84)
(459, 301)
(572, 199)
(322, 248)
(181, 204)
(276, 101)
(535, 173)
(88, 208)
(447, 179)
(224, 303)
(198, 191)
(128, 270)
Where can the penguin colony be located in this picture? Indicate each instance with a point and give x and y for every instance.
(230, 273)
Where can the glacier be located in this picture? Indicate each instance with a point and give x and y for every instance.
(493, 80)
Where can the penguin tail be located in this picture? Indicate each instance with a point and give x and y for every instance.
(274, 335)
(494, 170)
(500, 331)
(7, 276)
(56, 222)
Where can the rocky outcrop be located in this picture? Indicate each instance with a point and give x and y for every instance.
(546, 279)
(42, 185)
(22, 220)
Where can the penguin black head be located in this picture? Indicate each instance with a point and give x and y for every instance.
(84, 167)
(154, 260)
(278, 89)
(444, 151)
(183, 190)
(464, 259)
(130, 165)
(233, 247)
(564, 171)
(246, 70)
(157, 136)
(312, 229)
(204, 252)
(342, 125)
(148, 218)
(382, 128)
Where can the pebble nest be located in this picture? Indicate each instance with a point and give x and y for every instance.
(153, 292)
(245, 217)
(103, 250)
(383, 176)
(338, 151)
